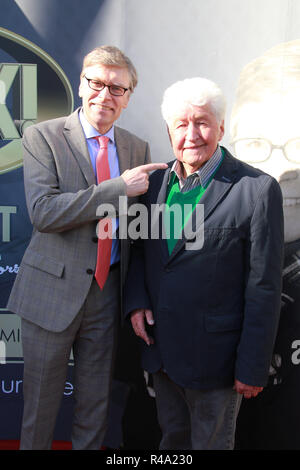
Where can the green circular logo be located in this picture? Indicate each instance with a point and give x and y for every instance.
(33, 88)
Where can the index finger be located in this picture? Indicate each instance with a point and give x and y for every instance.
(153, 166)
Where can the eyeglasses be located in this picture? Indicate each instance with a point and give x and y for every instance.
(256, 150)
(114, 90)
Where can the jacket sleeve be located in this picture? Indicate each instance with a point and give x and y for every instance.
(264, 260)
(135, 291)
(52, 209)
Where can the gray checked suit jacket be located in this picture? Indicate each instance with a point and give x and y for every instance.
(62, 198)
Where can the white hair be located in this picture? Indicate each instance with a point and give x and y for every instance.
(194, 91)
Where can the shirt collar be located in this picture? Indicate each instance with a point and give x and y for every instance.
(90, 132)
(204, 173)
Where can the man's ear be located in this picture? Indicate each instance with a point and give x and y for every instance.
(168, 131)
(80, 87)
(222, 130)
(125, 104)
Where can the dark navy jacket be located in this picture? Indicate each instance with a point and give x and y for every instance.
(216, 308)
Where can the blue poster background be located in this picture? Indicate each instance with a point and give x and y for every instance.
(132, 410)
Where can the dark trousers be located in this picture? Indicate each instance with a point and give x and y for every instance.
(195, 419)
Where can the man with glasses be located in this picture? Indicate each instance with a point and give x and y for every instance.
(68, 289)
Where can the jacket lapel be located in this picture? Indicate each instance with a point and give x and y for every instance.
(220, 185)
(161, 199)
(75, 137)
(123, 150)
(162, 193)
(216, 191)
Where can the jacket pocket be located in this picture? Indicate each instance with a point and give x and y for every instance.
(44, 263)
(223, 322)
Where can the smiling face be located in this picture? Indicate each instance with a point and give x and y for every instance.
(101, 108)
(275, 119)
(194, 134)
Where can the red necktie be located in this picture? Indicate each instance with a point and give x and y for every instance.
(105, 225)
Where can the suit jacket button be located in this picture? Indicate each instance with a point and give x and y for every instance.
(90, 271)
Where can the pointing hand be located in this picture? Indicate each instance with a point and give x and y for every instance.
(137, 179)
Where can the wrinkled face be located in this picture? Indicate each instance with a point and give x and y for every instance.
(101, 108)
(267, 135)
(194, 134)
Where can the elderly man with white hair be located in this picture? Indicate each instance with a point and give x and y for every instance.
(206, 310)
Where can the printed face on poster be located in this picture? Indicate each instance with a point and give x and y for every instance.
(265, 126)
